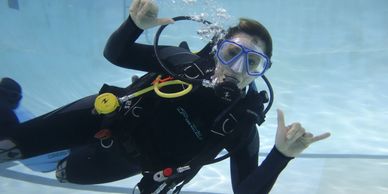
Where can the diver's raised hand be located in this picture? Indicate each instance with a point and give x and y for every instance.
(291, 140)
(145, 14)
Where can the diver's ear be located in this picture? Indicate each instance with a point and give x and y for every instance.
(216, 46)
(213, 50)
(269, 64)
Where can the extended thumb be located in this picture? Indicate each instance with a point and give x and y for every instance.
(165, 21)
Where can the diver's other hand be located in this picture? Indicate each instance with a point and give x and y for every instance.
(145, 14)
(293, 139)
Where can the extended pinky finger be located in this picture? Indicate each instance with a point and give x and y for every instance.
(321, 137)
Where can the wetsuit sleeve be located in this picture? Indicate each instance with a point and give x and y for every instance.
(121, 49)
(247, 176)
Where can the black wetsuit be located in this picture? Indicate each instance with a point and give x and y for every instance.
(153, 132)
(172, 139)
(8, 119)
(7, 116)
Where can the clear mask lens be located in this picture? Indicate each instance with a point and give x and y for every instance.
(256, 63)
(229, 52)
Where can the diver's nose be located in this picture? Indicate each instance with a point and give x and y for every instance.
(238, 65)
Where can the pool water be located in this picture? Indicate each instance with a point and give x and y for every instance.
(330, 63)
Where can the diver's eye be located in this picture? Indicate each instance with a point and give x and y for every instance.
(233, 51)
(256, 63)
(252, 65)
(254, 60)
(230, 51)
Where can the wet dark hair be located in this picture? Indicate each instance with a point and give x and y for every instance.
(252, 28)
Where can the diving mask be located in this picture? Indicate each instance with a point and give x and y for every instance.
(240, 58)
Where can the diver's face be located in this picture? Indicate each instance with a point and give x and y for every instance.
(241, 59)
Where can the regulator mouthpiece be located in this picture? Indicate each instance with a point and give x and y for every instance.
(228, 90)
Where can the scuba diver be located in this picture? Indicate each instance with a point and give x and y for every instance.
(172, 121)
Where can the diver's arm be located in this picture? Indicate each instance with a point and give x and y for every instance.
(244, 159)
(247, 176)
(121, 49)
(121, 41)
(263, 177)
